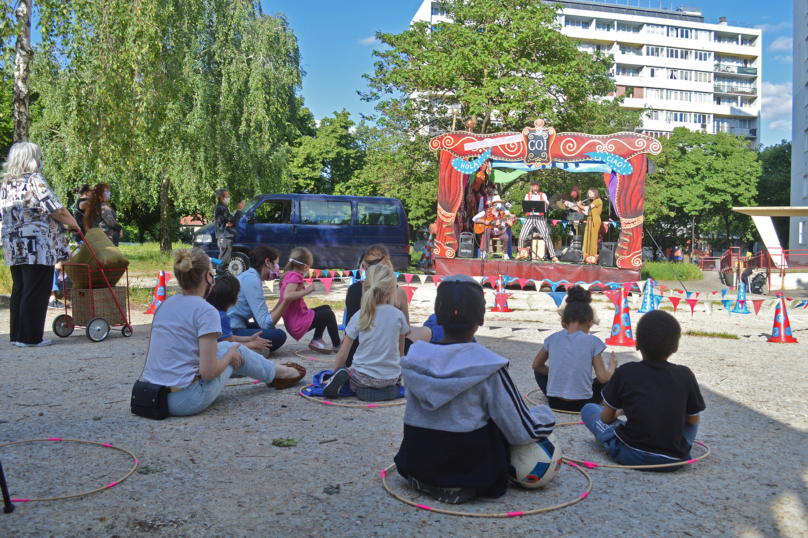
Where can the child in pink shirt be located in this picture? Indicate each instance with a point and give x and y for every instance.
(297, 318)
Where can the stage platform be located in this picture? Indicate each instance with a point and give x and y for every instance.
(537, 271)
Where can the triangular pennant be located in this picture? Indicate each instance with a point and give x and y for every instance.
(553, 285)
(627, 286)
(680, 292)
(410, 290)
(689, 294)
(311, 273)
(662, 288)
(555, 222)
(407, 278)
(657, 299)
(501, 299)
(317, 273)
(346, 273)
(773, 304)
(530, 300)
(724, 292)
(168, 276)
(327, 283)
(271, 286)
(675, 301)
(641, 285)
(708, 307)
(564, 223)
(522, 282)
(614, 296)
(557, 297)
(397, 275)
(436, 279)
(727, 306)
(422, 278)
(308, 281)
(799, 305)
(634, 299)
(714, 292)
(697, 295)
(355, 272)
(692, 303)
(757, 303)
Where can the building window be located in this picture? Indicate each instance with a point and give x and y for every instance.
(605, 26)
(658, 52)
(700, 118)
(628, 28)
(678, 117)
(675, 95)
(802, 232)
(653, 115)
(732, 40)
(702, 97)
(681, 33)
(658, 72)
(700, 76)
(702, 56)
(654, 29)
(703, 35)
(680, 54)
(654, 93)
(628, 71)
(573, 23)
(630, 51)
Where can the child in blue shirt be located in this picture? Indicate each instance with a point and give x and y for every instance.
(223, 296)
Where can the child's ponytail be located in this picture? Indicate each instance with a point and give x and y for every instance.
(380, 285)
(578, 309)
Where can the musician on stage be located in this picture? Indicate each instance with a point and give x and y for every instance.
(494, 223)
(593, 211)
(536, 222)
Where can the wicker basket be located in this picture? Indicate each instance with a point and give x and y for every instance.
(98, 303)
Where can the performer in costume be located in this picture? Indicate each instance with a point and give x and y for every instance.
(536, 222)
(483, 203)
(593, 222)
(496, 220)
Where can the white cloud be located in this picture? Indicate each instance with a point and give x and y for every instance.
(773, 27)
(368, 40)
(776, 105)
(782, 43)
(787, 59)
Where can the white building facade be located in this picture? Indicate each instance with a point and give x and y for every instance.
(687, 70)
(798, 231)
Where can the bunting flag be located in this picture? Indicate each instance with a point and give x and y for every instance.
(800, 304)
(662, 288)
(724, 292)
(727, 306)
(708, 307)
(657, 300)
(714, 292)
(634, 298)
(397, 275)
(757, 303)
(553, 285)
(555, 222)
(522, 282)
(308, 281)
(325, 272)
(410, 290)
(689, 294)
(271, 286)
(680, 292)
(530, 300)
(327, 283)
(355, 273)
(407, 278)
(436, 279)
(422, 278)
(641, 285)
(627, 286)
(614, 297)
(501, 299)
(773, 304)
(692, 303)
(675, 301)
(317, 273)
(311, 273)
(557, 297)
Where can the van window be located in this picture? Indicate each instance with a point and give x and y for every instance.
(274, 212)
(323, 212)
(378, 214)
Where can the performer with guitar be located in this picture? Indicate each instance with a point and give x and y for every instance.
(536, 222)
(494, 223)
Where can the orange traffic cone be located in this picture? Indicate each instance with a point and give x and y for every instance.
(621, 326)
(781, 331)
(159, 292)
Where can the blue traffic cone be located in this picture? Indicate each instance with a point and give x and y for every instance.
(648, 300)
(740, 302)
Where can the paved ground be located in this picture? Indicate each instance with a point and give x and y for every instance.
(217, 474)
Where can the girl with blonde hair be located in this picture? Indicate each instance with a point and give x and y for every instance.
(376, 366)
(183, 353)
(297, 318)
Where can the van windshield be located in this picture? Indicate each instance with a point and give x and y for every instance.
(251, 204)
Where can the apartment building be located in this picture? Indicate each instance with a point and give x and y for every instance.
(798, 230)
(688, 71)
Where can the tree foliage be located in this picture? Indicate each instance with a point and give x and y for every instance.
(774, 188)
(701, 176)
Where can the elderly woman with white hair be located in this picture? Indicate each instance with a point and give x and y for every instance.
(34, 241)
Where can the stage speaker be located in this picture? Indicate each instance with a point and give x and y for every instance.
(466, 247)
(571, 256)
(577, 242)
(607, 255)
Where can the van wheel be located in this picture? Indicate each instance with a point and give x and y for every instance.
(239, 262)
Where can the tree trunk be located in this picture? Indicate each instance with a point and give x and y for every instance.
(165, 213)
(22, 70)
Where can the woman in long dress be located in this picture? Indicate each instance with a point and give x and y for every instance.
(593, 223)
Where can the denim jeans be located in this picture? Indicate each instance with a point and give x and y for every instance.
(201, 393)
(619, 451)
(276, 336)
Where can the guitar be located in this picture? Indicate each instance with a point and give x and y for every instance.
(482, 225)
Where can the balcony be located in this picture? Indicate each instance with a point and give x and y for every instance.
(735, 70)
(737, 131)
(736, 90)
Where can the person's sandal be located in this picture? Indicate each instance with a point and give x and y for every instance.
(320, 347)
(281, 384)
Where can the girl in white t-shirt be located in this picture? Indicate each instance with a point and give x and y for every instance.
(380, 327)
(183, 353)
(573, 354)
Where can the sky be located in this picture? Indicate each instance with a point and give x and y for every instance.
(336, 40)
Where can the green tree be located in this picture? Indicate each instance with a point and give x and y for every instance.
(329, 157)
(167, 100)
(700, 177)
(774, 187)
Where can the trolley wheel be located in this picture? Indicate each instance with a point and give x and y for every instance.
(126, 331)
(63, 326)
(97, 329)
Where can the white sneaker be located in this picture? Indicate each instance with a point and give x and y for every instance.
(43, 343)
(483, 255)
(506, 257)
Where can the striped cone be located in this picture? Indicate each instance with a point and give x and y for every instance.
(621, 326)
(648, 302)
(740, 302)
(781, 332)
(159, 293)
(500, 290)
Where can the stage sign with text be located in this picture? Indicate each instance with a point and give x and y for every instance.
(618, 164)
(538, 141)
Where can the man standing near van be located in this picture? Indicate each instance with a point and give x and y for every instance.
(224, 223)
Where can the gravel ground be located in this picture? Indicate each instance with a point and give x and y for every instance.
(217, 474)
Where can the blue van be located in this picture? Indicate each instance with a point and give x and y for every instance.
(337, 229)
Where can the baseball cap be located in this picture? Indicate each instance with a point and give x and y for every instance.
(460, 304)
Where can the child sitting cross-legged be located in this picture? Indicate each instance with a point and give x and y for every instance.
(563, 367)
(380, 327)
(661, 401)
(463, 409)
(223, 296)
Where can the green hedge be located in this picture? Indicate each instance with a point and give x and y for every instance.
(662, 271)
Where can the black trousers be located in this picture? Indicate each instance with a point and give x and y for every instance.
(569, 405)
(30, 292)
(225, 253)
(324, 318)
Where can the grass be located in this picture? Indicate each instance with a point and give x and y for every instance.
(708, 334)
(5, 278)
(661, 271)
(147, 258)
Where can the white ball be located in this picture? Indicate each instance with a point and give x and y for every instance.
(533, 465)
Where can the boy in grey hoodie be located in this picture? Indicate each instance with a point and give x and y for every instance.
(463, 409)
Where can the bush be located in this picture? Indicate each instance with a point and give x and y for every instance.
(5, 278)
(662, 271)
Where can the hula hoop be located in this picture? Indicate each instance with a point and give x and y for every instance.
(581, 497)
(534, 402)
(311, 358)
(253, 382)
(592, 465)
(337, 404)
(63, 497)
